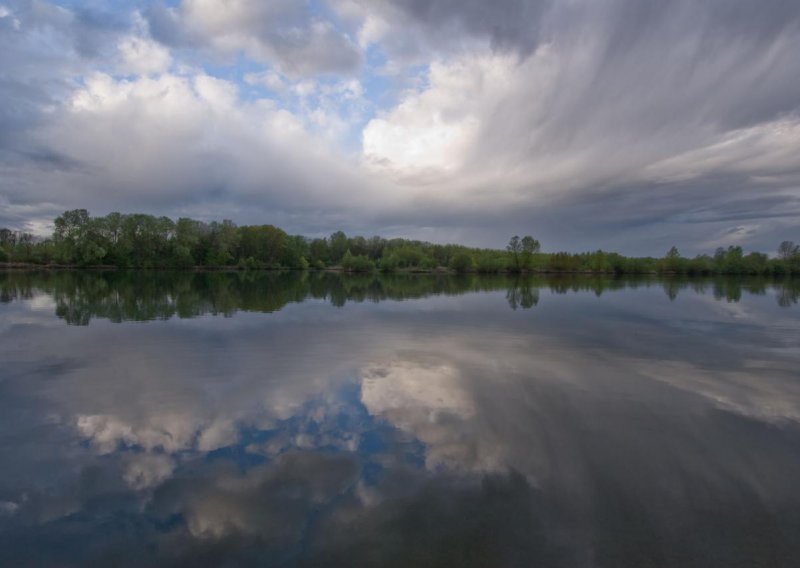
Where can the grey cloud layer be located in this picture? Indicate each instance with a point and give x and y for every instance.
(419, 26)
(649, 112)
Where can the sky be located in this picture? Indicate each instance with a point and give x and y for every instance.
(625, 125)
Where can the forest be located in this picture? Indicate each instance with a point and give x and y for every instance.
(148, 242)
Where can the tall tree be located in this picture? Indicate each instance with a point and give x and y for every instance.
(8, 238)
(338, 245)
(530, 246)
(514, 248)
(788, 250)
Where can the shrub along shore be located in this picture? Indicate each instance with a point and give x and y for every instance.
(145, 241)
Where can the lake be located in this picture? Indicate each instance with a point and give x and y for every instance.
(319, 419)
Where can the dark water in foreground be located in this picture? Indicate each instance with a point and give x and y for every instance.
(322, 420)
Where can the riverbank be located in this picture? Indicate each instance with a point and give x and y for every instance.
(25, 266)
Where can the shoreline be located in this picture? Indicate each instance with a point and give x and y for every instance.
(440, 271)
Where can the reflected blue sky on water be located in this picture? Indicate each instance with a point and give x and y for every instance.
(628, 428)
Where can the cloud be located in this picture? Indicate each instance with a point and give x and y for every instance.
(446, 120)
(175, 129)
(141, 56)
(258, 503)
(285, 34)
(410, 30)
(8, 508)
(618, 100)
(148, 470)
(430, 402)
(732, 390)
(170, 433)
(169, 140)
(429, 134)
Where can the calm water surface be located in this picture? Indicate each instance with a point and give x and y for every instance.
(155, 419)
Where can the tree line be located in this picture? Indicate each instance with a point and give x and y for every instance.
(146, 241)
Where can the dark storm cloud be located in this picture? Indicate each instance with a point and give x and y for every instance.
(679, 78)
(638, 219)
(518, 23)
(509, 24)
(685, 42)
(632, 113)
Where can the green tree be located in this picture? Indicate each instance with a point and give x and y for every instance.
(357, 263)
(514, 248)
(375, 247)
(672, 254)
(599, 262)
(530, 246)
(408, 256)
(788, 250)
(388, 263)
(8, 239)
(338, 245)
(564, 262)
(755, 263)
(734, 260)
(319, 252)
(70, 230)
(295, 253)
(224, 240)
(672, 260)
(266, 244)
(187, 249)
(462, 262)
(111, 227)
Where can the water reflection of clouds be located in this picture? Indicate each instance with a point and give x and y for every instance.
(324, 430)
(147, 470)
(761, 390)
(164, 402)
(272, 500)
(431, 402)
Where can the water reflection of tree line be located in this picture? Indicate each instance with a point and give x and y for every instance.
(140, 295)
